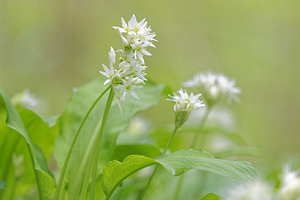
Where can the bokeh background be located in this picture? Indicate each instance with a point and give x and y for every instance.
(53, 46)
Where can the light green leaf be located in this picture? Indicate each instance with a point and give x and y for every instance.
(176, 163)
(211, 196)
(42, 131)
(148, 150)
(44, 177)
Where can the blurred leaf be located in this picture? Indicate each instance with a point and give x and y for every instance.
(183, 160)
(2, 185)
(73, 114)
(238, 151)
(44, 177)
(211, 196)
(148, 150)
(176, 163)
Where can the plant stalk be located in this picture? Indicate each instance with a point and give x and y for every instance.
(96, 152)
(193, 145)
(61, 183)
(156, 167)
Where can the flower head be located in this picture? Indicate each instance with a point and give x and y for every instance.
(214, 87)
(184, 104)
(128, 71)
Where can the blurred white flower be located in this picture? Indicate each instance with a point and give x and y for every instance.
(127, 75)
(255, 190)
(138, 125)
(214, 87)
(290, 186)
(219, 116)
(25, 99)
(184, 104)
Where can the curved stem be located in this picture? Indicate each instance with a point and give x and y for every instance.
(154, 171)
(96, 152)
(63, 172)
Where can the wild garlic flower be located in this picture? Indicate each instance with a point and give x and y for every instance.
(25, 99)
(184, 104)
(127, 72)
(255, 190)
(214, 87)
(290, 187)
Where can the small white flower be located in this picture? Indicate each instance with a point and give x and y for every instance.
(184, 104)
(290, 187)
(255, 190)
(129, 85)
(214, 87)
(110, 73)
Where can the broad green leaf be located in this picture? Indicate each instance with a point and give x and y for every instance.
(211, 196)
(116, 171)
(42, 131)
(44, 177)
(73, 114)
(121, 151)
(175, 163)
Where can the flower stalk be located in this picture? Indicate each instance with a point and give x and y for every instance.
(61, 184)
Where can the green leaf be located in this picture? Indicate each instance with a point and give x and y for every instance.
(44, 177)
(148, 150)
(42, 131)
(211, 196)
(73, 114)
(175, 163)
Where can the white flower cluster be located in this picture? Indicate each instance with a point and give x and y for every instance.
(184, 104)
(290, 187)
(128, 72)
(214, 87)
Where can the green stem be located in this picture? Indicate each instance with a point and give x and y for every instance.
(196, 136)
(154, 171)
(63, 172)
(193, 145)
(98, 143)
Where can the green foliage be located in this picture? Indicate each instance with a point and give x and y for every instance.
(176, 163)
(43, 176)
(211, 196)
(72, 116)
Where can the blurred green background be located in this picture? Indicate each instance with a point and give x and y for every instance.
(53, 46)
